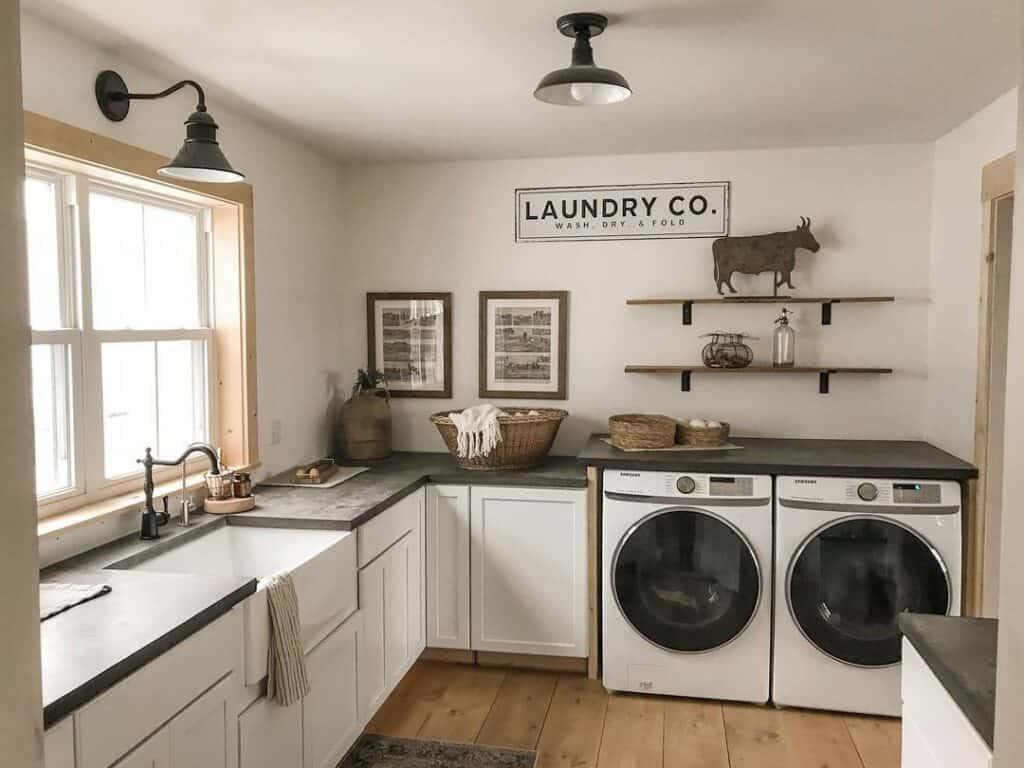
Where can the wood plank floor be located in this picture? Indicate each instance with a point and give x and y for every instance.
(573, 722)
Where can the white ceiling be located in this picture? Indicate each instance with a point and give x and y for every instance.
(390, 80)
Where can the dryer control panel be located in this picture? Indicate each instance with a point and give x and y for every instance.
(682, 485)
(849, 492)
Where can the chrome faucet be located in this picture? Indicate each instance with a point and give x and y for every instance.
(151, 519)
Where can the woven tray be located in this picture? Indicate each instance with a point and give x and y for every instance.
(525, 440)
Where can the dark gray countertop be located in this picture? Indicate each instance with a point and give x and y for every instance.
(93, 646)
(90, 647)
(903, 459)
(962, 655)
(349, 505)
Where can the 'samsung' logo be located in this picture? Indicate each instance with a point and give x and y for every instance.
(806, 482)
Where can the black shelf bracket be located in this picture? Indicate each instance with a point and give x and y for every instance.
(826, 312)
(823, 382)
(687, 313)
(684, 381)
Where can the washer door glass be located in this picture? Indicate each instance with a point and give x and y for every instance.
(686, 580)
(853, 579)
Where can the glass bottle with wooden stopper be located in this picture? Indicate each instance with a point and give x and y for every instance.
(783, 342)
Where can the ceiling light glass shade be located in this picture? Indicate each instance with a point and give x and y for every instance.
(583, 85)
(200, 157)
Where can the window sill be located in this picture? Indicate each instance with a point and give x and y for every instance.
(96, 511)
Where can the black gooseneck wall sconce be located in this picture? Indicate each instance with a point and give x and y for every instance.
(200, 157)
(582, 83)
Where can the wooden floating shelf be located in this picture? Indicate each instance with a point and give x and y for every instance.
(825, 301)
(824, 372)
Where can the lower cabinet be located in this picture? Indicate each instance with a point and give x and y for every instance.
(59, 744)
(507, 569)
(391, 599)
(936, 734)
(154, 752)
(270, 736)
(206, 732)
(447, 582)
(203, 734)
(330, 713)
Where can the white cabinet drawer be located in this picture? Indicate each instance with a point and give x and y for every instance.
(59, 744)
(941, 736)
(118, 719)
(389, 526)
(330, 713)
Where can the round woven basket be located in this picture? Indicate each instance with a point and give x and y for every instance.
(525, 439)
(638, 430)
(705, 437)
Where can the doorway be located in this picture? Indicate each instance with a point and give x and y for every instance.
(997, 240)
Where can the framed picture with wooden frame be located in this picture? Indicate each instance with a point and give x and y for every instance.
(524, 342)
(409, 338)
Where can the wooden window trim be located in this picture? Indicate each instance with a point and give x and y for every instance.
(234, 297)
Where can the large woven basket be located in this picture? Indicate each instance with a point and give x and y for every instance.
(641, 430)
(525, 439)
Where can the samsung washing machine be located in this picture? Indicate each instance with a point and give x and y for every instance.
(687, 573)
(852, 555)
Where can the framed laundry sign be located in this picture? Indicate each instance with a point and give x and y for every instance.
(523, 344)
(622, 212)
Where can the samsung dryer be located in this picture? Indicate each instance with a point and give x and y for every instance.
(851, 555)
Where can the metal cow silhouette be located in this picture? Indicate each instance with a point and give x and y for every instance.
(752, 255)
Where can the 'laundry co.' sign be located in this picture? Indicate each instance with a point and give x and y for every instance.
(626, 212)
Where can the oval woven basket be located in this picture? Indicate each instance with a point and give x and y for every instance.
(525, 439)
(641, 430)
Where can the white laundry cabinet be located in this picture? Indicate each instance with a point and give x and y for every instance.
(507, 569)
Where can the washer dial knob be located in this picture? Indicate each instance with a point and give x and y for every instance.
(867, 491)
(686, 485)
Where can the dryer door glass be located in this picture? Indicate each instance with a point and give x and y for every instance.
(852, 580)
(686, 580)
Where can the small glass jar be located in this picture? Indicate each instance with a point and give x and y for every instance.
(242, 485)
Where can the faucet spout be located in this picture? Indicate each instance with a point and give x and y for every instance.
(151, 518)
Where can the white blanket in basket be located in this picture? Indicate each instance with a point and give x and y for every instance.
(478, 430)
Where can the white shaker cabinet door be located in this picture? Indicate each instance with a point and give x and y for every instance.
(59, 744)
(447, 583)
(154, 752)
(330, 714)
(206, 732)
(529, 570)
(270, 736)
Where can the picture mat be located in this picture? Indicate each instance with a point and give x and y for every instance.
(534, 363)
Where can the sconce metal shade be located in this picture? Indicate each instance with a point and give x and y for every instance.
(582, 83)
(200, 157)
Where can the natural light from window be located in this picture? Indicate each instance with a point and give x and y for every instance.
(119, 286)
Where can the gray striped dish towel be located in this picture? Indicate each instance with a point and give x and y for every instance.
(286, 663)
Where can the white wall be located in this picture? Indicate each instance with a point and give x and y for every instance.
(449, 227)
(955, 270)
(1009, 736)
(297, 226)
(21, 721)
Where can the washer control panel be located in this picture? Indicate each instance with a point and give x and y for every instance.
(686, 485)
(869, 492)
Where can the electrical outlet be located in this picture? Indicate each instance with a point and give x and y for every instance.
(276, 432)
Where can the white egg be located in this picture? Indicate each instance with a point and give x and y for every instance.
(698, 423)
(714, 424)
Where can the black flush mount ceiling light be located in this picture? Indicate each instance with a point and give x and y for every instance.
(200, 157)
(582, 83)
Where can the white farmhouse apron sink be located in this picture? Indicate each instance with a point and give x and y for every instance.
(322, 565)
